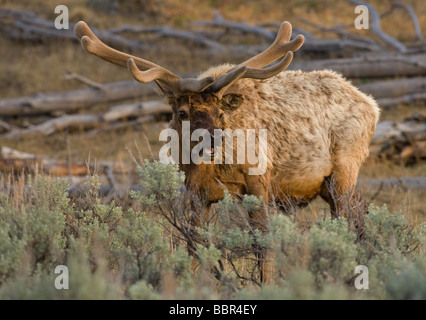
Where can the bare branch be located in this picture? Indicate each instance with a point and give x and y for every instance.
(412, 14)
(341, 32)
(375, 26)
(74, 76)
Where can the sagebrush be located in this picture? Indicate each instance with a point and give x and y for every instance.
(154, 252)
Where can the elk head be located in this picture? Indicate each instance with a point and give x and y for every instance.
(204, 101)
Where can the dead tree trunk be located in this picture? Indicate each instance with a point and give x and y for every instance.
(392, 92)
(74, 100)
(88, 121)
(369, 66)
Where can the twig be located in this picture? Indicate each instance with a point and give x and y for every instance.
(113, 183)
(379, 189)
(149, 146)
(74, 76)
(68, 147)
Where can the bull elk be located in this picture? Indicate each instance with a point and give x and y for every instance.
(319, 125)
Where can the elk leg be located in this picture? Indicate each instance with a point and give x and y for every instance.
(338, 190)
(259, 219)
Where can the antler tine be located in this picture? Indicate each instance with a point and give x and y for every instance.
(240, 72)
(252, 68)
(271, 71)
(148, 75)
(227, 79)
(93, 45)
(277, 49)
(142, 70)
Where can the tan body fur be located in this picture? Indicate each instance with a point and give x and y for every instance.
(319, 126)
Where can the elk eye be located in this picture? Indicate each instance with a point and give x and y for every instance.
(221, 116)
(182, 115)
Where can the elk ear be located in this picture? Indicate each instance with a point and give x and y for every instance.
(232, 101)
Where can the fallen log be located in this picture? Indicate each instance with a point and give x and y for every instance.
(88, 121)
(369, 66)
(394, 88)
(392, 92)
(120, 125)
(403, 141)
(416, 183)
(73, 100)
(49, 167)
(405, 99)
(404, 89)
(16, 161)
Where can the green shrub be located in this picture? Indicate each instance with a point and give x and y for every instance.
(32, 225)
(114, 253)
(332, 257)
(141, 290)
(141, 242)
(409, 283)
(160, 183)
(388, 233)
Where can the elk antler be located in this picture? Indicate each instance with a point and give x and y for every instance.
(252, 68)
(150, 71)
(146, 71)
(277, 49)
(242, 71)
